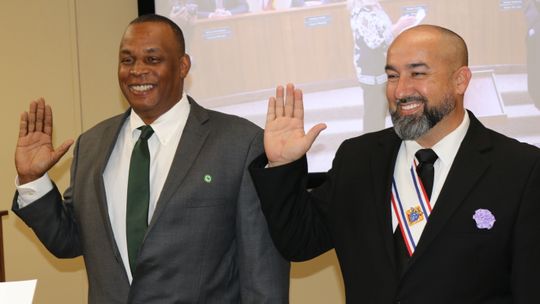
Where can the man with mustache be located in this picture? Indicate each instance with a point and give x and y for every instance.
(189, 229)
(437, 209)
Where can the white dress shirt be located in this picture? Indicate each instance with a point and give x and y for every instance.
(162, 145)
(446, 150)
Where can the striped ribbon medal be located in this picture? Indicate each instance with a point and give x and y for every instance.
(411, 206)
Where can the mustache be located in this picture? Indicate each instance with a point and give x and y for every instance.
(410, 99)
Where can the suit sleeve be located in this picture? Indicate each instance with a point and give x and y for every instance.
(298, 218)
(53, 221)
(526, 245)
(264, 273)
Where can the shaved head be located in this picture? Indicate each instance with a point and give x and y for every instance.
(451, 45)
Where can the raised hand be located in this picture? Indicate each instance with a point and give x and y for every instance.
(35, 155)
(284, 137)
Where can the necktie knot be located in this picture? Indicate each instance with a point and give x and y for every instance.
(426, 156)
(146, 132)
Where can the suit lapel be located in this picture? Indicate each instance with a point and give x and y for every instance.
(383, 160)
(108, 141)
(469, 165)
(191, 142)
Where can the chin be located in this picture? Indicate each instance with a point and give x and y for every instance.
(141, 106)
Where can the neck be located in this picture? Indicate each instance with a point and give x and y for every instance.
(444, 127)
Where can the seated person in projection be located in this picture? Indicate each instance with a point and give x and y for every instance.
(373, 32)
(211, 8)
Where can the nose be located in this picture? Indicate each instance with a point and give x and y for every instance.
(138, 69)
(402, 88)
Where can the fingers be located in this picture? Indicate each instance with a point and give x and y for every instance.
(298, 110)
(279, 102)
(288, 103)
(40, 114)
(271, 112)
(48, 121)
(32, 117)
(23, 124)
(35, 118)
(289, 100)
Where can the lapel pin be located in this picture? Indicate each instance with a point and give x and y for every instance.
(484, 219)
(208, 178)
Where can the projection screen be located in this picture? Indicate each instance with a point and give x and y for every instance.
(334, 51)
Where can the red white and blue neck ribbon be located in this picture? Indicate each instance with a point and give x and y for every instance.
(411, 206)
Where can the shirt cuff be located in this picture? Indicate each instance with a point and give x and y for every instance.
(32, 191)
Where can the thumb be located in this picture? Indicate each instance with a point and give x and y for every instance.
(62, 149)
(314, 132)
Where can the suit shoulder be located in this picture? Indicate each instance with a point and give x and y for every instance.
(511, 145)
(97, 131)
(369, 139)
(232, 123)
(223, 122)
(105, 124)
(485, 139)
(233, 133)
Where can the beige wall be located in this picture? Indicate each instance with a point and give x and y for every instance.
(66, 51)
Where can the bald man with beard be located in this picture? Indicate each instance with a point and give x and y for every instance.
(459, 226)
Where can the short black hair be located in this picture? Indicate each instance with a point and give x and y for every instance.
(161, 19)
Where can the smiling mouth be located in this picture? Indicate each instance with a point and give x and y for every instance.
(410, 105)
(141, 88)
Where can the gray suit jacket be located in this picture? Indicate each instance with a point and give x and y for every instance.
(207, 242)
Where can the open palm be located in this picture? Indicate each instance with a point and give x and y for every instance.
(35, 154)
(284, 137)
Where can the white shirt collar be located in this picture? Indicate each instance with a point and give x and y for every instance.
(165, 125)
(446, 148)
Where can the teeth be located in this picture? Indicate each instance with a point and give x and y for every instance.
(410, 106)
(141, 87)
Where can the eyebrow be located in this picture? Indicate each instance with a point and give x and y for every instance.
(417, 65)
(409, 66)
(389, 68)
(148, 51)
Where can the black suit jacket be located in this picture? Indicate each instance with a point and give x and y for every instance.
(455, 261)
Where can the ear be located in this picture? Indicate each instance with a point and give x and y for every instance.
(185, 65)
(462, 77)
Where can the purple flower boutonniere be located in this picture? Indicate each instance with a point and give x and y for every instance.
(484, 219)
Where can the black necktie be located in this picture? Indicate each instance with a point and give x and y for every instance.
(426, 158)
(138, 195)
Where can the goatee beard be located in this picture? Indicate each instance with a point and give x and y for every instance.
(411, 127)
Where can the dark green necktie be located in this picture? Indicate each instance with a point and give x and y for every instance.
(138, 195)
